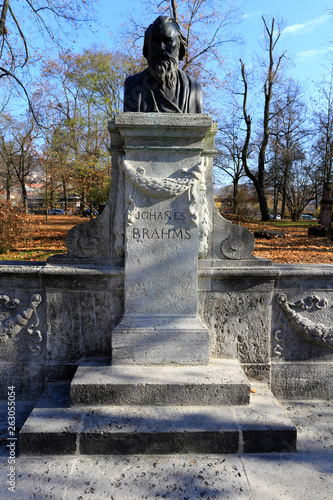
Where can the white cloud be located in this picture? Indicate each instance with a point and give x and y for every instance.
(300, 29)
(308, 54)
(252, 14)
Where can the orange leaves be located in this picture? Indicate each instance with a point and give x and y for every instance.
(14, 226)
(47, 238)
(296, 248)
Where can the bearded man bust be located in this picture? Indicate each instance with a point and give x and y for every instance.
(163, 87)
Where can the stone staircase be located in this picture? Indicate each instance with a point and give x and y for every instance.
(132, 409)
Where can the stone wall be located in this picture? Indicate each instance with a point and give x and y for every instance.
(302, 339)
(72, 318)
(237, 311)
(277, 320)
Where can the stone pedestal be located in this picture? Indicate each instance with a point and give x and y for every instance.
(162, 170)
(160, 219)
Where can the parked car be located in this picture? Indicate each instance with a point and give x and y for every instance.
(86, 212)
(56, 211)
(307, 217)
(278, 217)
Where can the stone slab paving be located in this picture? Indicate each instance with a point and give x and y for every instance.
(314, 422)
(289, 476)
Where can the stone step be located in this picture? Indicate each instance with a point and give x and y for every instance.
(261, 427)
(221, 382)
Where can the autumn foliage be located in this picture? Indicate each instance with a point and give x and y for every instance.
(15, 227)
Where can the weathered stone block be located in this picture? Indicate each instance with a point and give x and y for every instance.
(239, 323)
(301, 380)
(80, 323)
(50, 431)
(262, 426)
(163, 174)
(222, 382)
(28, 378)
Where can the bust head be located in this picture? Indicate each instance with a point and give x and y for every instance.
(164, 46)
(164, 29)
(163, 87)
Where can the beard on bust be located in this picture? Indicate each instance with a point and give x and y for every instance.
(165, 69)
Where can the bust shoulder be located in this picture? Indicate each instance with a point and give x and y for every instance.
(135, 79)
(195, 92)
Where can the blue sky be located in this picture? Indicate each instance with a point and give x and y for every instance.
(307, 35)
(308, 28)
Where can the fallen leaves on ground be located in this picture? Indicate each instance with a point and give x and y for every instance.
(296, 248)
(48, 238)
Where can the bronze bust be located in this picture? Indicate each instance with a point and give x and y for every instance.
(163, 87)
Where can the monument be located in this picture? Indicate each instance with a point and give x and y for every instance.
(146, 333)
(167, 290)
(164, 165)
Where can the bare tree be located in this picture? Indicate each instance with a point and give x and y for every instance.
(229, 152)
(299, 190)
(258, 177)
(18, 153)
(23, 21)
(288, 136)
(323, 145)
(6, 170)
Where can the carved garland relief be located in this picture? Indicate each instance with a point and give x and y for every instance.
(313, 332)
(191, 181)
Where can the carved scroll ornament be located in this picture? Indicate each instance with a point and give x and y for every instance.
(315, 333)
(12, 321)
(239, 245)
(154, 186)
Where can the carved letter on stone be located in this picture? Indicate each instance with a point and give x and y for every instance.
(13, 322)
(315, 333)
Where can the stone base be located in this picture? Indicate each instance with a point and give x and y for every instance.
(160, 340)
(302, 380)
(222, 382)
(259, 427)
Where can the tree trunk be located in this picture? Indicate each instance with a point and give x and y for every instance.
(64, 188)
(262, 202)
(83, 200)
(24, 197)
(325, 216)
(8, 186)
(174, 10)
(235, 195)
(3, 17)
(275, 201)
